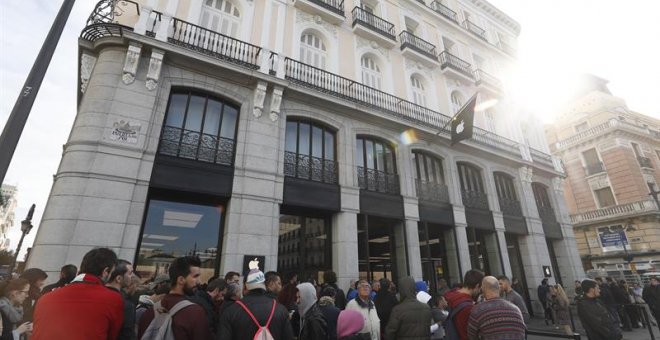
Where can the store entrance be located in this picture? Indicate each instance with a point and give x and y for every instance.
(439, 254)
(517, 268)
(381, 248)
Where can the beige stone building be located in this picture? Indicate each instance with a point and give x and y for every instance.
(612, 159)
(7, 213)
(307, 133)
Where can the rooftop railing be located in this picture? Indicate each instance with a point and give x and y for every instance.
(604, 127)
(377, 24)
(409, 40)
(449, 60)
(615, 212)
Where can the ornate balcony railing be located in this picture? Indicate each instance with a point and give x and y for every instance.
(449, 60)
(377, 24)
(483, 77)
(645, 162)
(478, 31)
(311, 168)
(444, 11)
(510, 207)
(432, 191)
(595, 168)
(615, 212)
(348, 89)
(409, 40)
(541, 157)
(375, 180)
(195, 145)
(610, 125)
(475, 199)
(547, 215)
(212, 43)
(336, 6)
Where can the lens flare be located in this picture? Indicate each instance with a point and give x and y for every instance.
(408, 137)
(485, 105)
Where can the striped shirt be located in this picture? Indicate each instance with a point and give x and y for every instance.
(496, 319)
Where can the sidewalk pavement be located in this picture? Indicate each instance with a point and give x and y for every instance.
(538, 324)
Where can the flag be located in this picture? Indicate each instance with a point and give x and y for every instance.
(463, 122)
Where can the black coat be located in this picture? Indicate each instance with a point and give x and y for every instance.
(651, 295)
(203, 299)
(314, 325)
(384, 302)
(597, 321)
(236, 324)
(340, 297)
(410, 319)
(331, 314)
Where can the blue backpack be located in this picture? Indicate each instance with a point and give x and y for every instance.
(451, 332)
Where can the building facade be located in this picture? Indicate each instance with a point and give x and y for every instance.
(611, 156)
(309, 134)
(8, 204)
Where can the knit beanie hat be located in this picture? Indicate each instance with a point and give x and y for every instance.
(349, 323)
(255, 278)
(421, 286)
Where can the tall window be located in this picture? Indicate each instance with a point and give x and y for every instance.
(312, 50)
(592, 162)
(198, 126)
(221, 16)
(541, 196)
(429, 177)
(310, 151)
(376, 165)
(472, 186)
(370, 73)
(490, 121)
(605, 197)
(419, 94)
(506, 194)
(456, 101)
(304, 246)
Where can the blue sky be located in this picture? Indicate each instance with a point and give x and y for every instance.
(560, 39)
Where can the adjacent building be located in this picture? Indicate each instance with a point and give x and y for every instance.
(307, 134)
(8, 203)
(612, 159)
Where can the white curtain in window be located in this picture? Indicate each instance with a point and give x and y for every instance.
(419, 94)
(456, 101)
(221, 16)
(312, 50)
(370, 73)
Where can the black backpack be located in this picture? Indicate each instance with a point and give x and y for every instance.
(451, 331)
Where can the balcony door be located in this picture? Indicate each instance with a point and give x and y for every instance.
(221, 16)
(313, 51)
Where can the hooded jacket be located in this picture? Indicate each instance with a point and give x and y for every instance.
(385, 302)
(313, 324)
(410, 319)
(455, 298)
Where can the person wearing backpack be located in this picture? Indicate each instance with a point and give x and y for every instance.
(313, 324)
(256, 315)
(174, 317)
(461, 301)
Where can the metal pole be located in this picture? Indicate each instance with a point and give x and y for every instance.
(647, 319)
(19, 114)
(18, 250)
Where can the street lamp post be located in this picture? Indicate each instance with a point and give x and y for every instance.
(26, 226)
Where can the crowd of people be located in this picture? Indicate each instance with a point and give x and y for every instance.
(105, 299)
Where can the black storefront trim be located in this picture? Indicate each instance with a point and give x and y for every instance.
(311, 194)
(480, 219)
(515, 225)
(436, 212)
(174, 173)
(381, 204)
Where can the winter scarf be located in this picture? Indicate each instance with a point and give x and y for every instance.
(13, 313)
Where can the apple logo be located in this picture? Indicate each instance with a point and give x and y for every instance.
(254, 264)
(460, 127)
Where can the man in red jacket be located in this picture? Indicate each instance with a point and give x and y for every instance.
(84, 309)
(461, 302)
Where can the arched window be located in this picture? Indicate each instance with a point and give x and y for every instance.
(310, 151)
(419, 94)
(370, 72)
(312, 50)
(376, 165)
(472, 186)
(429, 177)
(221, 16)
(198, 126)
(506, 194)
(456, 101)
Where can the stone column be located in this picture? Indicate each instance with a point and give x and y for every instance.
(505, 265)
(412, 244)
(345, 247)
(453, 259)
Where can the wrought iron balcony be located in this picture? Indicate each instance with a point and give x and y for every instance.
(455, 63)
(541, 157)
(195, 145)
(330, 10)
(478, 31)
(645, 162)
(474, 199)
(311, 168)
(444, 11)
(483, 78)
(375, 180)
(595, 168)
(508, 49)
(413, 42)
(547, 214)
(510, 207)
(373, 22)
(432, 191)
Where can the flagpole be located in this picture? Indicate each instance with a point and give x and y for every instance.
(19, 114)
(456, 114)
